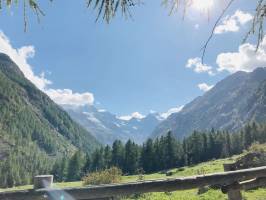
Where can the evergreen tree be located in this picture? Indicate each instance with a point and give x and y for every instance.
(60, 170)
(148, 157)
(170, 151)
(97, 162)
(247, 136)
(107, 157)
(118, 154)
(158, 155)
(131, 157)
(88, 164)
(226, 151)
(75, 167)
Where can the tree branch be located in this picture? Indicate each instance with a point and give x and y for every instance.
(213, 29)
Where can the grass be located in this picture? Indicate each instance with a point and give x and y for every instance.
(182, 195)
(203, 168)
(55, 185)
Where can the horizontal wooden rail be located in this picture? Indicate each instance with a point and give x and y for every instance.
(174, 184)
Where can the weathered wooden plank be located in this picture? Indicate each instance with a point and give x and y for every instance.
(246, 185)
(103, 191)
(253, 184)
(233, 192)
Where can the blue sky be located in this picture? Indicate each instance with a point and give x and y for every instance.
(129, 65)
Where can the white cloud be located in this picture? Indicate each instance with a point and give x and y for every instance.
(196, 26)
(135, 115)
(233, 23)
(205, 87)
(198, 67)
(246, 59)
(68, 97)
(171, 111)
(20, 57)
(152, 112)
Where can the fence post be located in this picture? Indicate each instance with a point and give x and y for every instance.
(233, 192)
(43, 181)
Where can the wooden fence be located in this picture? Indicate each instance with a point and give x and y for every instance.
(230, 182)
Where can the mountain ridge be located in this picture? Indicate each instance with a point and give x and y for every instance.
(107, 127)
(223, 107)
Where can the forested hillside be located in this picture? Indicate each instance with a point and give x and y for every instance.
(33, 129)
(162, 153)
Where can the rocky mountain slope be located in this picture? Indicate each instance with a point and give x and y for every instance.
(233, 102)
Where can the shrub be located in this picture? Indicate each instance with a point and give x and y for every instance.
(108, 176)
(180, 169)
(141, 173)
(169, 173)
(254, 157)
(256, 147)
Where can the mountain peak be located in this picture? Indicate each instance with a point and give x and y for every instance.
(4, 56)
(258, 74)
(8, 66)
(107, 127)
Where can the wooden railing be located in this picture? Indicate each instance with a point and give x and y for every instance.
(229, 182)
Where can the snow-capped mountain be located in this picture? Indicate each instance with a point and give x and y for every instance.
(107, 127)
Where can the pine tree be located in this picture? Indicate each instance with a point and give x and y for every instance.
(170, 151)
(75, 166)
(57, 171)
(131, 157)
(158, 155)
(226, 151)
(247, 137)
(180, 154)
(107, 157)
(88, 165)
(97, 162)
(118, 154)
(148, 157)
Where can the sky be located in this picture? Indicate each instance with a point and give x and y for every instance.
(130, 67)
